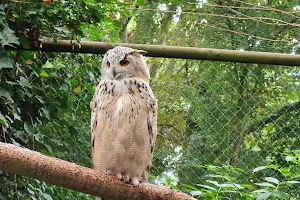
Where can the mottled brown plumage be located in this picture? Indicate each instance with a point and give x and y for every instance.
(124, 117)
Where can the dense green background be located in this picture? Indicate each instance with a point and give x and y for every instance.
(208, 111)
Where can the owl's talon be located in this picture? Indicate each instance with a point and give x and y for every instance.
(120, 176)
(141, 185)
(126, 178)
(135, 182)
(144, 181)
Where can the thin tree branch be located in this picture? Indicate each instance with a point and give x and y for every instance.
(246, 34)
(272, 117)
(265, 7)
(255, 8)
(260, 19)
(32, 164)
(123, 31)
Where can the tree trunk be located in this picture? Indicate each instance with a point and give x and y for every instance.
(239, 129)
(123, 31)
(32, 164)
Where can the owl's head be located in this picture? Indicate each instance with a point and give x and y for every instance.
(123, 62)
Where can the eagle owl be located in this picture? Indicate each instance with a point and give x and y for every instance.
(124, 117)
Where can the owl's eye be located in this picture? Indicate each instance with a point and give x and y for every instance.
(108, 64)
(124, 62)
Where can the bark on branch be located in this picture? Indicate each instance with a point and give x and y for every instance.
(171, 52)
(32, 164)
(273, 116)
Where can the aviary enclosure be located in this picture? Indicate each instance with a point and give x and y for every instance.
(228, 120)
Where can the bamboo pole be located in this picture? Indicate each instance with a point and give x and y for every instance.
(32, 164)
(173, 52)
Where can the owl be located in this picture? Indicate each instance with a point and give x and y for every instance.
(124, 117)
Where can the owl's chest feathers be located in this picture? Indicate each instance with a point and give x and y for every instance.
(124, 98)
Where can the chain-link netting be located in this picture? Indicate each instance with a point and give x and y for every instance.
(219, 124)
(216, 114)
(216, 119)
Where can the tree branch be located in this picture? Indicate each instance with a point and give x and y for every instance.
(272, 117)
(32, 164)
(171, 52)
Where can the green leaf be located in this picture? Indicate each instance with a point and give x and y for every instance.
(230, 191)
(48, 148)
(293, 182)
(28, 128)
(280, 194)
(43, 73)
(218, 176)
(272, 180)
(289, 158)
(190, 187)
(46, 113)
(140, 2)
(74, 82)
(263, 196)
(5, 62)
(17, 116)
(265, 184)
(213, 182)
(77, 89)
(47, 196)
(8, 37)
(285, 171)
(48, 65)
(2, 7)
(259, 168)
(3, 120)
(30, 191)
(40, 99)
(11, 83)
(24, 82)
(206, 186)
(232, 185)
(260, 191)
(5, 93)
(196, 193)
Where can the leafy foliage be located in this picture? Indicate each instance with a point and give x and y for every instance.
(45, 97)
(225, 182)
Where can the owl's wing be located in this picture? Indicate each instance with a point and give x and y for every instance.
(152, 125)
(93, 106)
(93, 113)
(151, 103)
(97, 116)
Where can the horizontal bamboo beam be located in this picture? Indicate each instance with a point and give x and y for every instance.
(174, 52)
(33, 164)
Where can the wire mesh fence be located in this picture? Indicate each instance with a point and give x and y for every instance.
(215, 115)
(219, 124)
(215, 119)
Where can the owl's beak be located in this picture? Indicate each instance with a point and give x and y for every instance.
(114, 73)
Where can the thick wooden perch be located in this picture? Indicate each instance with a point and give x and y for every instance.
(32, 164)
(172, 52)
